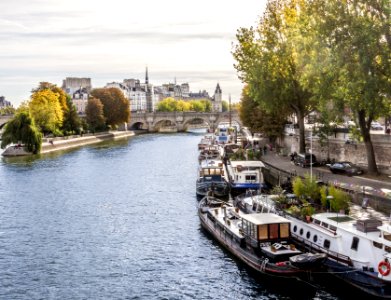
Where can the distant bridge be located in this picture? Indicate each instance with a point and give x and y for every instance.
(4, 120)
(153, 122)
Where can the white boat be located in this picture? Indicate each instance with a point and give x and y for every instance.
(359, 250)
(209, 152)
(262, 241)
(211, 177)
(206, 141)
(244, 175)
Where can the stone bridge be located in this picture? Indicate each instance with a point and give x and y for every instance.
(4, 120)
(180, 121)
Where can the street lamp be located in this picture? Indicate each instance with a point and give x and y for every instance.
(311, 155)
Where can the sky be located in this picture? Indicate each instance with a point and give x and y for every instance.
(190, 41)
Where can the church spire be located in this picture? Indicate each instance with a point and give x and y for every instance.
(146, 75)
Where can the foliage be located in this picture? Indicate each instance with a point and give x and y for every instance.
(340, 200)
(258, 119)
(94, 114)
(45, 108)
(268, 61)
(225, 106)
(62, 96)
(182, 105)
(307, 210)
(21, 129)
(115, 106)
(294, 210)
(352, 65)
(298, 187)
(307, 189)
(168, 105)
(72, 122)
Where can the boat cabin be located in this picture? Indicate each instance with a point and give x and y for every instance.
(268, 234)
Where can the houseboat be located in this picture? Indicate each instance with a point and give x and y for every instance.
(261, 240)
(209, 152)
(359, 250)
(211, 177)
(244, 175)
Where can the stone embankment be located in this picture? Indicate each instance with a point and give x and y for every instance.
(56, 144)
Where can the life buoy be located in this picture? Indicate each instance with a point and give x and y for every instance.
(384, 268)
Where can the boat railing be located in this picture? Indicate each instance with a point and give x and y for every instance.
(310, 246)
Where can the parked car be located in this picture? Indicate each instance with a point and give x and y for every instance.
(304, 160)
(346, 168)
(376, 126)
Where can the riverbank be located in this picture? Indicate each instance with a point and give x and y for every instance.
(56, 144)
(63, 143)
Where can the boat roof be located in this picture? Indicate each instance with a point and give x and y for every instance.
(211, 163)
(247, 163)
(264, 218)
(348, 224)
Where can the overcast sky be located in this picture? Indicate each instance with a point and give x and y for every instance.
(48, 40)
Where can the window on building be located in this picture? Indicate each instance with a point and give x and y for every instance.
(262, 232)
(273, 231)
(284, 230)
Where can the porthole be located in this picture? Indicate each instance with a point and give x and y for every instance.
(301, 231)
(308, 235)
(294, 228)
(315, 238)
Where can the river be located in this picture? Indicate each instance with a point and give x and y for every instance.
(116, 220)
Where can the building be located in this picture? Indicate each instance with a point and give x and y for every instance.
(141, 96)
(4, 103)
(79, 89)
(217, 100)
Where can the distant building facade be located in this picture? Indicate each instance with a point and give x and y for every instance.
(79, 89)
(141, 96)
(217, 100)
(4, 103)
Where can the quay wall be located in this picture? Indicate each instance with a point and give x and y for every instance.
(340, 148)
(56, 144)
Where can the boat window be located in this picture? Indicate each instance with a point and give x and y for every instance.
(284, 230)
(317, 222)
(387, 249)
(377, 245)
(273, 231)
(315, 238)
(254, 231)
(251, 178)
(294, 228)
(355, 243)
(333, 228)
(326, 244)
(387, 236)
(325, 225)
(262, 232)
(308, 234)
(301, 231)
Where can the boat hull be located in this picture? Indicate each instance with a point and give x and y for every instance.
(219, 188)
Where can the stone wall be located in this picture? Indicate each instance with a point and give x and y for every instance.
(340, 148)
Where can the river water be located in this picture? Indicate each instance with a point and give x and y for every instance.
(116, 220)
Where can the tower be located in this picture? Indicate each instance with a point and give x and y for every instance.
(217, 100)
(146, 75)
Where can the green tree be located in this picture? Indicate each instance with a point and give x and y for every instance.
(21, 129)
(356, 35)
(45, 108)
(260, 120)
(94, 114)
(115, 106)
(225, 106)
(268, 62)
(168, 105)
(71, 123)
(183, 105)
(206, 104)
(197, 106)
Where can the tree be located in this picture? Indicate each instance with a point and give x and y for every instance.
(21, 129)
(71, 123)
(357, 36)
(94, 114)
(225, 106)
(115, 106)
(168, 105)
(182, 105)
(46, 110)
(267, 60)
(206, 104)
(260, 120)
(62, 96)
(197, 106)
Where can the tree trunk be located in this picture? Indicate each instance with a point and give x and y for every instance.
(365, 128)
(300, 121)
